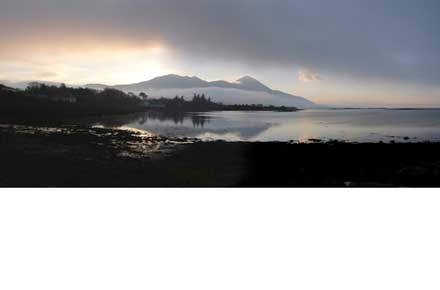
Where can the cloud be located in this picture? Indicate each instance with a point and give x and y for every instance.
(307, 76)
(343, 37)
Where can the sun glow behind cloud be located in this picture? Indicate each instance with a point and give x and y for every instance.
(83, 60)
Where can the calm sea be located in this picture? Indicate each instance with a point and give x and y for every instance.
(360, 125)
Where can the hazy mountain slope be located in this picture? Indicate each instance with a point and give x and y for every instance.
(232, 96)
(166, 82)
(96, 86)
(251, 84)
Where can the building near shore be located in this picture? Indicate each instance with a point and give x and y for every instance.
(59, 99)
(152, 104)
(64, 99)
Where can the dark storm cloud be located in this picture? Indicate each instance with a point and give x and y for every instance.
(376, 39)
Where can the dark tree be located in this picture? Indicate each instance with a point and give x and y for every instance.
(143, 96)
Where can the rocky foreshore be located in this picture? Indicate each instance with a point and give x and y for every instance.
(75, 156)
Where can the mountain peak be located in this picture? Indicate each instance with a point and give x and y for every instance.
(252, 84)
(246, 79)
(178, 77)
(169, 76)
(172, 81)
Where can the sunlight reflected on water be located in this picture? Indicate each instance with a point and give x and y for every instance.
(371, 125)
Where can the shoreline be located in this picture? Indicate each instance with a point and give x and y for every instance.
(90, 124)
(78, 156)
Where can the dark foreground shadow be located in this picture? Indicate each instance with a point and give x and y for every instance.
(109, 158)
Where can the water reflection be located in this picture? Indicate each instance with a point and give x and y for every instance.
(302, 126)
(146, 118)
(199, 121)
(176, 117)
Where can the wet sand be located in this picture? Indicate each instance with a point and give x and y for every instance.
(75, 156)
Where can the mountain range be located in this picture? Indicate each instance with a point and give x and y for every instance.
(245, 90)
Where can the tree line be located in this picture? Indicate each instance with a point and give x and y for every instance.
(61, 100)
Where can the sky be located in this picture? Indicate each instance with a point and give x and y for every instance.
(340, 52)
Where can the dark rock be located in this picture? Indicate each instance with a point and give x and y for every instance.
(315, 140)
